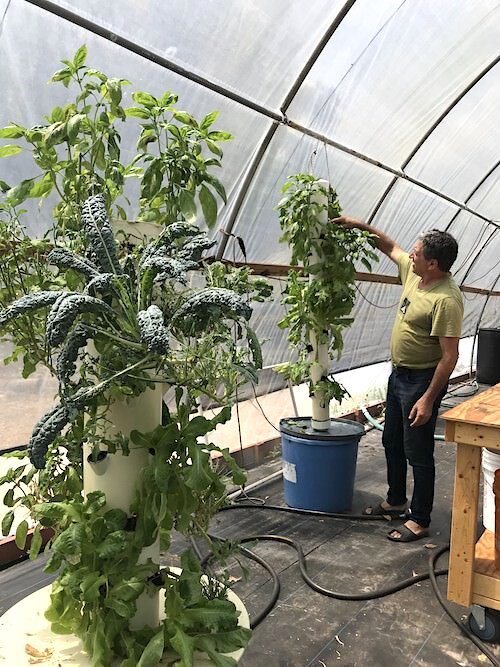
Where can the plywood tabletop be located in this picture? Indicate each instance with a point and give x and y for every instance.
(483, 409)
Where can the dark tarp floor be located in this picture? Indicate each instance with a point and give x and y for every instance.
(306, 629)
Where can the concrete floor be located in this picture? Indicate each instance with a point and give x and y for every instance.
(306, 629)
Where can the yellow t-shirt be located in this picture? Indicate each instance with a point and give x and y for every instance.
(423, 316)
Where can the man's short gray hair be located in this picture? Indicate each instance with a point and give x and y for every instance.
(440, 246)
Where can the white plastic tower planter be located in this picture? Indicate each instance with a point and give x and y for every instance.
(24, 631)
(320, 420)
(319, 454)
(116, 476)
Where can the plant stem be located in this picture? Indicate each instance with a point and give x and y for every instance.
(127, 343)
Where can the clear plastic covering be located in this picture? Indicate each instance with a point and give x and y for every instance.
(395, 103)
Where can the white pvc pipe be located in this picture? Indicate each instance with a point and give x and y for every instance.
(116, 476)
(319, 356)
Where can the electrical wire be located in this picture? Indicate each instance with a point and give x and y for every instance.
(262, 409)
(375, 305)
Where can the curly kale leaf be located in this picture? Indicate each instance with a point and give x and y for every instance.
(164, 268)
(153, 332)
(45, 432)
(29, 302)
(85, 395)
(101, 242)
(194, 249)
(66, 259)
(178, 230)
(207, 308)
(101, 283)
(172, 244)
(65, 310)
(66, 361)
(53, 422)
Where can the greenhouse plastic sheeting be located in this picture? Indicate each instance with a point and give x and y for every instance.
(395, 103)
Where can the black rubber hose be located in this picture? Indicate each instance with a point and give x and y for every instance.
(294, 510)
(372, 595)
(276, 586)
(431, 575)
(204, 562)
(475, 640)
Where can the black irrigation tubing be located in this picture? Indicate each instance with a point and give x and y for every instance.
(276, 586)
(431, 574)
(293, 510)
(433, 558)
(369, 595)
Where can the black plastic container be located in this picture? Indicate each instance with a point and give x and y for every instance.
(488, 356)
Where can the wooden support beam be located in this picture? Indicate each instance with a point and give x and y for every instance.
(281, 270)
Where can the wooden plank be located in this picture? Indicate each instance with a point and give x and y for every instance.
(449, 431)
(477, 434)
(463, 524)
(481, 409)
(278, 270)
(485, 555)
(486, 586)
(485, 601)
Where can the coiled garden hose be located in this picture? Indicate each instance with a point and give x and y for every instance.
(371, 595)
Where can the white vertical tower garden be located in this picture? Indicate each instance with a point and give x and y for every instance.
(112, 470)
(319, 453)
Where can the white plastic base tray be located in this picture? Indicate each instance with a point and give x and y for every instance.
(26, 638)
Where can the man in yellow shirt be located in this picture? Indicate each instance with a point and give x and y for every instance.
(424, 352)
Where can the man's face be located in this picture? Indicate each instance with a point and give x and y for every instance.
(420, 265)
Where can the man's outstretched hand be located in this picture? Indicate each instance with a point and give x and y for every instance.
(346, 221)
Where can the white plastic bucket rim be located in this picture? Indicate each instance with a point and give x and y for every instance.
(490, 463)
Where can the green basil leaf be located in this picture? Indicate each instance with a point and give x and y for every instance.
(21, 533)
(11, 132)
(10, 149)
(187, 205)
(36, 543)
(7, 522)
(208, 206)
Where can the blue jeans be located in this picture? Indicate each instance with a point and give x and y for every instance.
(403, 443)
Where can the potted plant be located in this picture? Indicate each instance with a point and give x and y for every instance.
(319, 454)
(112, 470)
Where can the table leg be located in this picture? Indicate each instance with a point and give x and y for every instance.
(464, 523)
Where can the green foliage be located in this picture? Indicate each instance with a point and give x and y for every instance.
(176, 170)
(109, 319)
(326, 252)
(23, 269)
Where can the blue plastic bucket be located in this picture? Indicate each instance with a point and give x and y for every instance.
(319, 467)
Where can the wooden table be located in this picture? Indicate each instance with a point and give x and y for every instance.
(472, 577)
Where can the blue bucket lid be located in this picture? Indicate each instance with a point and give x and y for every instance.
(339, 429)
